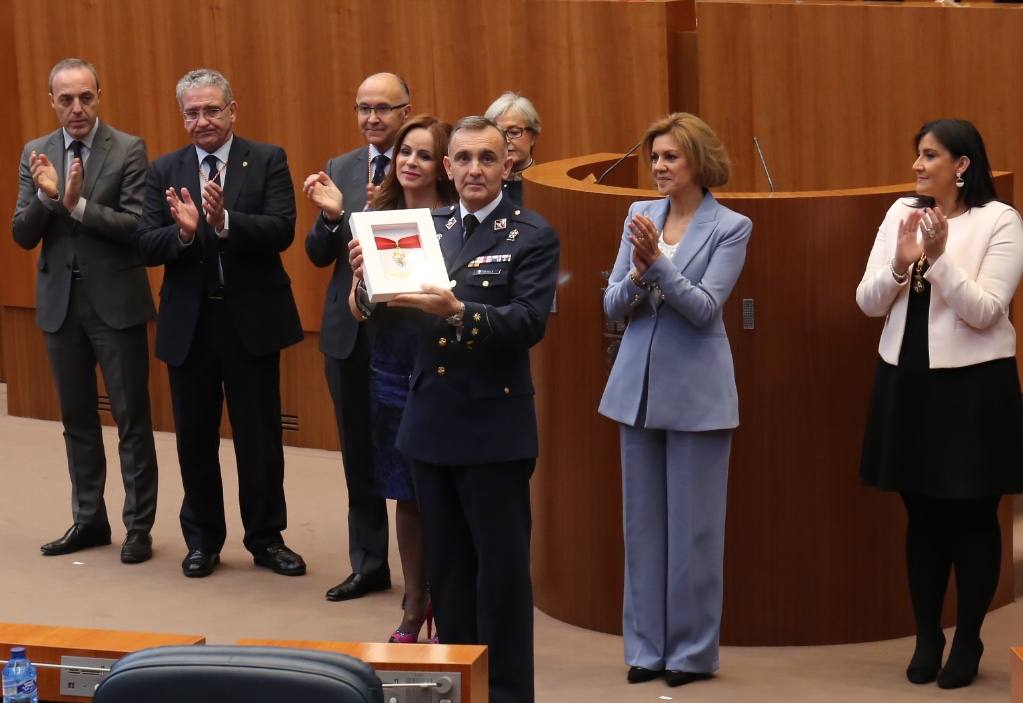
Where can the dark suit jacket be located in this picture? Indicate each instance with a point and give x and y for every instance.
(339, 329)
(471, 400)
(260, 199)
(113, 276)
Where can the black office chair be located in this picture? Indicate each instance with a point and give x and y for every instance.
(237, 674)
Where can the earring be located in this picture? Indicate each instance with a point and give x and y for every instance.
(959, 180)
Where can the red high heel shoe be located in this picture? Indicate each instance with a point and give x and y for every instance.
(399, 636)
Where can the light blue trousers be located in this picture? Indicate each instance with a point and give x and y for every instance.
(674, 487)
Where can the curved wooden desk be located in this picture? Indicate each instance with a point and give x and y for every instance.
(811, 556)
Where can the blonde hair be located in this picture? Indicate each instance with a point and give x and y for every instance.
(701, 146)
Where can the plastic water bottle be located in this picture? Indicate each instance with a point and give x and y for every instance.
(20, 679)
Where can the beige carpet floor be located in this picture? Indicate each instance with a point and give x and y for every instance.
(93, 589)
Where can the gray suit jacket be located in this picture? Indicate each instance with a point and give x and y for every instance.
(675, 347)
(102, 244)
(339, 329)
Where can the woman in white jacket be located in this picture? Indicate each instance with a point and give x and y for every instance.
(945, 427)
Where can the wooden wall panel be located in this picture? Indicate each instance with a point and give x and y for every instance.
(835, 92)
(30, 389)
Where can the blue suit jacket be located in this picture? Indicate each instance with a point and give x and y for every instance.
(675, 346)
(471, 398)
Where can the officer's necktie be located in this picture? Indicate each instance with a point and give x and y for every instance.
(380, 168)
(469, 224)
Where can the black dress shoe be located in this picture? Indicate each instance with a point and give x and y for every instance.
(638, 674)
(681, 678)
(923, 667)
(357, 585)
(962, 666)
(77, 537)
(137, 547)
(280, 559)
(199, 563)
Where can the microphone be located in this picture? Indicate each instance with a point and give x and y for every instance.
(763, 162)
(613, 166)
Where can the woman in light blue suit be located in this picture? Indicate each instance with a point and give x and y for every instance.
(672, 389)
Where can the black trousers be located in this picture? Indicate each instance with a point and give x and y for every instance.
(348, 382)
(217, 366)
(123, 356)
(943, 534)
(476, 530)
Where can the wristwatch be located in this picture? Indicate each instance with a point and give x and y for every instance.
(456, 319)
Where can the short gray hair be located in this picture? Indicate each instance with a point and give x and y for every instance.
(200, 78)
(65, 64)
(521, 104)
(476, 123)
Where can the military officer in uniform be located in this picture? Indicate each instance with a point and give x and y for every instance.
(470, 423)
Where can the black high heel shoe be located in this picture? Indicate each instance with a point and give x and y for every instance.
(926, 661)
(962, 666)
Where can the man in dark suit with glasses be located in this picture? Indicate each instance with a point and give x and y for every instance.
(382, 104)
(218, 213)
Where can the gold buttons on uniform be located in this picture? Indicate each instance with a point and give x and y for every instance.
(486, 284)
(441, 370)
(442, 342)
(507, 391)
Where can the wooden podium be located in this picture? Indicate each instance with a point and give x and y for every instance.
(811, 557)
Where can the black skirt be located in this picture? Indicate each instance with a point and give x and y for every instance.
(947, 433)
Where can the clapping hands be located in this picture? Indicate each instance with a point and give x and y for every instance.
(644, 237)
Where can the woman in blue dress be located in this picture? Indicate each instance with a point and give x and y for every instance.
(417, 180)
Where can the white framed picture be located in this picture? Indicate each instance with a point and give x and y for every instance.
(400, 252)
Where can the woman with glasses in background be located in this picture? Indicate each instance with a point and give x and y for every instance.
(520, 121)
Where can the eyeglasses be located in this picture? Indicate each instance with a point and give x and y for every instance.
(382, 110)
(210, 113)
(516, 132)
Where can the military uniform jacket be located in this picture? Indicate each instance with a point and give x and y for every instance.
(102, 244)
(470, 400)
(260, 198)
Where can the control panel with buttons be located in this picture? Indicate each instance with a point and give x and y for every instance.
(421, 686)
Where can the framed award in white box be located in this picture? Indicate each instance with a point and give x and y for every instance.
(400, 252)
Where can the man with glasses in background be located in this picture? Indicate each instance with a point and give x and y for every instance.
(217, 215)
(80, 194)
(382, 104)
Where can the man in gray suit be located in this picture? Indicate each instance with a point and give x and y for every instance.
(80, 193)
(382, 104)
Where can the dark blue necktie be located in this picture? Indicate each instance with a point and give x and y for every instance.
(380, 162)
